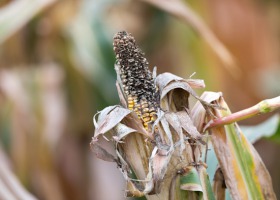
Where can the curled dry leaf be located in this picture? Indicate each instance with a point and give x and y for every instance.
(114, 115)
(175, 92)
(101, 153)
(196, 83)
(198, 113)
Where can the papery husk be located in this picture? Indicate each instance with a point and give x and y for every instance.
(219, 185)
(118, 132)
(133, 151)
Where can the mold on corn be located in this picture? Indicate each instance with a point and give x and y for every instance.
(137, 81)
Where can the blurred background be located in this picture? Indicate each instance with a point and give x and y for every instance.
(57, 71)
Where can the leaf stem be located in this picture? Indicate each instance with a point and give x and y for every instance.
(262, 107)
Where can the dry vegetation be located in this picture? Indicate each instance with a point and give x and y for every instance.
(57, 70)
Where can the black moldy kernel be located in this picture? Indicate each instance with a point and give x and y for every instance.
(137, 80)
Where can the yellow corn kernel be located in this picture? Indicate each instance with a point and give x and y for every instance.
(145, 110)
(130, 104)
(146, 119)
(152, 114)
(145, 115)
(145, 125)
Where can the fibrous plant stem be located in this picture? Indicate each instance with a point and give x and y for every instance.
(262, 107)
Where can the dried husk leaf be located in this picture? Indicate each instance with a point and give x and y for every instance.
(205, 182)
(175, 96)
(188, 126)
(165, 188)
(173, 120)
(219, 185)
(137, 152)
(113, 116)
(121, 96)
(163, 79)
(122, 131)
(120, 137)
(160, 163)
(177, 193)
(196, 83)
(175, 92)
(198, 113)
(190, 180)
(108, 118)
(102, 153)
(166, 135)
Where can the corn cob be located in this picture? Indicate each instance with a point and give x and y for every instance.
(137, 81)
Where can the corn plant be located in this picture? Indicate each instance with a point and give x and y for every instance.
(160, 143)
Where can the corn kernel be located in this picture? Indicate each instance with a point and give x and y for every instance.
(147, 119)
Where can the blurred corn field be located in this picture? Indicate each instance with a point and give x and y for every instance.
(57, 70)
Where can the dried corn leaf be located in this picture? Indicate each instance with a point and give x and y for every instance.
(198, 113)
(190, 180)
(159, 168)
(205, 183)
(178, 97)
(122, 131)
(163, 79)
(162, 152)
(108, 125)
(137, 152)
(167, 132)
(245, 174)
(113, 116)
(113, 139)
(101, 152)
(196, 83)
(121, 96)
(188, 126)
(175, 91)
(219, 185)
(173, 120)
